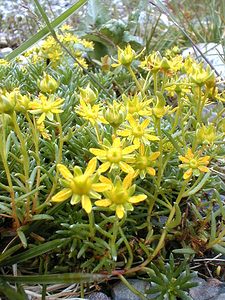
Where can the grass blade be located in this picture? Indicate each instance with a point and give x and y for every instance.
(33, 252)
(54, 278)
(45, 31)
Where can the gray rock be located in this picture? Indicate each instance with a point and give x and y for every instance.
(206, 290)
(220, 297)
(121, 292)
(98, 296)
(3, 41)
(5, 51)
(213, 52)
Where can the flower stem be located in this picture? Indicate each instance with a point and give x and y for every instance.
(131, 257)
(92, 224)
(58, 158)
(38, 161)
(136, 81)
(131, 288)
(8, 176)
(26, 161)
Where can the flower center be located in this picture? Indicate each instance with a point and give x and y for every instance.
(142, 162)
(119, 196)
(193, 163)
(138, 132)
(81, 185)
(114, 154)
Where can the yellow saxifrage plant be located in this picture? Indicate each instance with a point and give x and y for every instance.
(149, 134)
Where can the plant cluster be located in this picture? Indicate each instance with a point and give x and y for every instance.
(105, 175)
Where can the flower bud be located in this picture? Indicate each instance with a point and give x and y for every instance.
(115, 114)
(126, 56)
(48, 84)
(7, 103)
(160, 108)
(165, 66)
(88, 95)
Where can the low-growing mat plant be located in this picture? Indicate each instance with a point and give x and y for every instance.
(106, 172)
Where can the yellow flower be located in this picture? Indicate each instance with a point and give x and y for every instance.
(144, 161)
(121, 196)
(155, 63)
(80, 187)
(115, 156)
(81, 62)
(181, 87)
(8, 101)
(136, 106)
(66, 27)
(160, 109)
(43, 131)
(3, 62)
(194, 164)
(206, 135)
(46, 106)
(137, 132)
(91, 113)
(200, 76)
(126, 56)
(152, 62)
(87, 44)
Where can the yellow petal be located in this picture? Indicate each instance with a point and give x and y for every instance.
(101, 187)
(189, 153)
(106, 180)
(97, 152)
(125, 167)
(116, 142)
(64, 171)
(75, 199)
(120, 211)
(103, 202)
(125, 132)
(132, 121)
(41, 119)
(86, 203)
(151, 171)
(129, 149)
(138, 198)
(184, 159)
(91, 166)
(62, 195)
(187, 174)
(145, 123)
(204, 159)
(153, 156)
(151, 137)
(142, 149)
(203, 169)
(128, 180)
(56, 110)
(104, 167)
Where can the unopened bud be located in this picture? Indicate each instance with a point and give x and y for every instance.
(48, 84)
